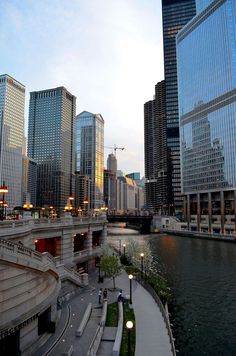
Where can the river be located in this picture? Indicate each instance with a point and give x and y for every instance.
(201, 275)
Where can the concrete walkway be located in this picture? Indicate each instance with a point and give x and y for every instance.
(151, 333)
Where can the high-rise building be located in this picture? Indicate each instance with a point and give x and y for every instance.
(51, 144)
(156, 153)
(29, 180)
(82, 192)
(175, 14)
(206, 49)
(90, 153)
(112, 178)
(12, 103)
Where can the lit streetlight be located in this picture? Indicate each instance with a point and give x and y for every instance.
(130, 281)
(124, 245)
(141, 255)
(129, 326)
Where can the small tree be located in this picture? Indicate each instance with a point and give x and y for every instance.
(112, 267)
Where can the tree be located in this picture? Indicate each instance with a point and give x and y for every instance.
(112, 267)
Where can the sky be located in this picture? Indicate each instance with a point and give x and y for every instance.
(108, 53)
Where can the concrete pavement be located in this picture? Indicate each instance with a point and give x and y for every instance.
(151, 334)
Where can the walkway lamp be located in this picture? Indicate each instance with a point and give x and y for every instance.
(130, 285)
(141, 255)
(124, 245)
(120, 247)
(129, 326)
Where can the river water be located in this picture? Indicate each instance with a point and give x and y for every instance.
(201, 275)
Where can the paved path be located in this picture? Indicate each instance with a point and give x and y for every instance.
(151, 334)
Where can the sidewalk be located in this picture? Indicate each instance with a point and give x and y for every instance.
(151, 333)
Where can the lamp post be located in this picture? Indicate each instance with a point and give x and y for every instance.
(129, 326)
(142, 255)
(130, 285)
(124, 245)
(3, 190)
(85, 206)
(120, 247)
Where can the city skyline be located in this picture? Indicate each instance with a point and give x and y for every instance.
(102, 59)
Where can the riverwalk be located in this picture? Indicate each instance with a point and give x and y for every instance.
(151, 333)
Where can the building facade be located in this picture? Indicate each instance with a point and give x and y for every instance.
(51, 144)
(29, 180)
(207, 103)
(156, 153)
(82, 192)
(130, 197)
(90, 153)
(175, 14)
(12, 103)
(112, 179)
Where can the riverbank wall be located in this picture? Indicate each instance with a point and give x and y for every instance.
(200, 235)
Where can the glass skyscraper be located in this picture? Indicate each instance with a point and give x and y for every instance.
(175, 14)
(207, 106)
(12, 104)
(51, 144)
(90, 153)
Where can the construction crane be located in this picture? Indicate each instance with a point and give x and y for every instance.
(115, 148)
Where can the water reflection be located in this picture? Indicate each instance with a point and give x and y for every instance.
(202, 276)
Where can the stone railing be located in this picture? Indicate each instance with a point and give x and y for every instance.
(26, 254)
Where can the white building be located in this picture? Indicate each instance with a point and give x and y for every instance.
(130, 197)
(12, 104)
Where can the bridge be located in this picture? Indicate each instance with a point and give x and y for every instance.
(143, 223)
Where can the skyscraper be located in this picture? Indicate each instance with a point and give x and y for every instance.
(155, 151)
(175, 14)
(207, 102)
(112, 168)
(12, 102)
(51, 144)
(90, 153)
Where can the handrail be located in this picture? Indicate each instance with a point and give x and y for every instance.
(162, 310)
(22, 250)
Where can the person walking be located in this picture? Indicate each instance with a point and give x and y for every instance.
(105, 294)
(100, 296)
(120, 296)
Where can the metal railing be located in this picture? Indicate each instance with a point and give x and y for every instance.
(162, 310)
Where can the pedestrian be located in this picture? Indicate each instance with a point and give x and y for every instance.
(100, 295)
(105, 294)
(120, 296)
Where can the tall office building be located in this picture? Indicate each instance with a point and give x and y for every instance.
(90, 153)
(155, 152)
(112, 168)
(206, 49)
(175, 14)
(51, 144)
(12, 103)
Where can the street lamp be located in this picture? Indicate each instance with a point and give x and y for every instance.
(141, 255)
(129, 326)
(3, 190)
(130, 281)
(124, 245)
(120, 247)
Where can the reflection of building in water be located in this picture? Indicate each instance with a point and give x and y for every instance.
(203, 163)
(207, 76)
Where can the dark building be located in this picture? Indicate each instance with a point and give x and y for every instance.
(82, 192)
(51, 144)
(155, 151)
(175, 14)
